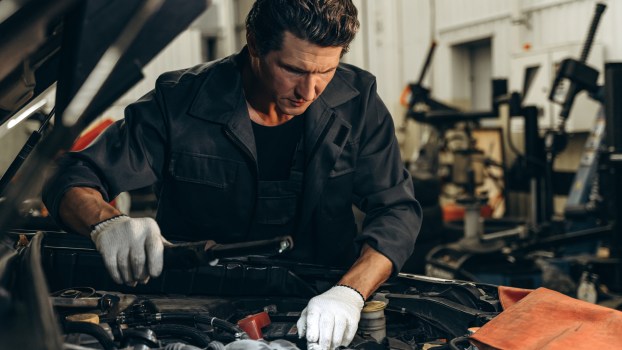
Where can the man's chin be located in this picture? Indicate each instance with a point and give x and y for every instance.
(298, 110)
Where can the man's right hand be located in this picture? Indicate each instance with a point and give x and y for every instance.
(132, 248)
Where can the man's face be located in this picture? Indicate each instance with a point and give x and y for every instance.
(297, 74)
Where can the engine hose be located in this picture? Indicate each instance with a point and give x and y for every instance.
(228, 326)
(213, 321)
(93, 330)
(453, 344)
(193, 335)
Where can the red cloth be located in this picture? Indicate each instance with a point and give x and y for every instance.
(548, 320)
(88, 137)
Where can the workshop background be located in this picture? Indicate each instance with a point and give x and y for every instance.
(513, 195)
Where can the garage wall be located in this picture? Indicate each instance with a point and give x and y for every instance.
(513, 24)
(392, 44)
(187, 50)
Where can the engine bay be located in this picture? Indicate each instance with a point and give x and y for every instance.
(241, 303)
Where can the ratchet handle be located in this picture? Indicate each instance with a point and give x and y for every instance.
(193, 254)
(268, 247)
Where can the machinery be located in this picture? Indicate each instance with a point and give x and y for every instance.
(463, 171)
(557, 254)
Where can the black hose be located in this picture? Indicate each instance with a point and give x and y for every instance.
(190, 334)
(229, 327)
(453, 344)
(93, 330)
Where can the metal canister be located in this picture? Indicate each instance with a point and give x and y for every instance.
(372, 320)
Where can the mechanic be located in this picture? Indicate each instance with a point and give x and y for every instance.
(279, 139)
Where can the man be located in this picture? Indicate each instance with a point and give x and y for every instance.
(278, 139)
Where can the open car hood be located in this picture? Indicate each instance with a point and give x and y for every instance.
(93, 51)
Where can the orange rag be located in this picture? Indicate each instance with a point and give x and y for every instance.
(547, 320)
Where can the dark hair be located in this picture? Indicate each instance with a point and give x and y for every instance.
(321, 22)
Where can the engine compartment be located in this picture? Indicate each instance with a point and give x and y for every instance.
(160, 321)
(227, 305)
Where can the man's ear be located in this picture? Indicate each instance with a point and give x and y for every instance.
(252, 45)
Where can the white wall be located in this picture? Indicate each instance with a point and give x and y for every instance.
(546, 26)
(219, 21)
(392, 44)
(184, 51)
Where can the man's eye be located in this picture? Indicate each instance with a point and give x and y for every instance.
(295, 71)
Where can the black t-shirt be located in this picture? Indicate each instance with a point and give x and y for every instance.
(276, 146)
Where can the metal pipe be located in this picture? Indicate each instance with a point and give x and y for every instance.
(532, 140)
(519, 231)
(472, 221)
(533, 208)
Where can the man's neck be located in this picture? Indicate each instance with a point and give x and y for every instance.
(260, 108)
(273, 119)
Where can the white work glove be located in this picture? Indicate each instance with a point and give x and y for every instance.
(331, 319)
(132, 248)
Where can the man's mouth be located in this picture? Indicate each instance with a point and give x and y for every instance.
(297, 103)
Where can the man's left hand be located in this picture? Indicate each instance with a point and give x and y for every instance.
(331, 319)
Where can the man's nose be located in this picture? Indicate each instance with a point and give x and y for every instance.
(307, 88)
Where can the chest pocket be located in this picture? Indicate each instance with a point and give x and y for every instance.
(204, 192)
(203, 169)
(346, 163)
